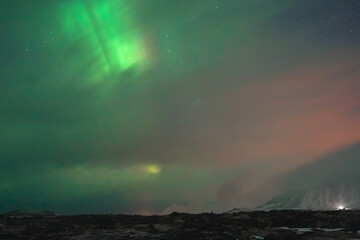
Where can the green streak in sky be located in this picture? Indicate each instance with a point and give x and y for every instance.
(106, 33)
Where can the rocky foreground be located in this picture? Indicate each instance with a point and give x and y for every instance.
(243, 225)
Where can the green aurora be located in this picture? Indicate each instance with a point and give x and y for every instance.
(112, 43)
(153, 106)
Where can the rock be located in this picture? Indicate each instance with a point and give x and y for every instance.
(263, 225)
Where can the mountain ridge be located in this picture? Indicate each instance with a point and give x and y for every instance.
(331, 182)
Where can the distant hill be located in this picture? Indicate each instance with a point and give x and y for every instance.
(30, 213)
(237, 210)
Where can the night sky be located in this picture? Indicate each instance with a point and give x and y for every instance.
(154, 106)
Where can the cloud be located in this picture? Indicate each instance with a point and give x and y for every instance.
(337, 167)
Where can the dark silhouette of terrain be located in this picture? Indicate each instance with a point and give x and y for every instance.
(269, 225)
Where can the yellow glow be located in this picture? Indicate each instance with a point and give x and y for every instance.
(153, 169)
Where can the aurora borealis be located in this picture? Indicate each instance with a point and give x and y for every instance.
(112, 44)
(153, 106)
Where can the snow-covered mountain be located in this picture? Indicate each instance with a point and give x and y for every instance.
(329, 183)
(327, 198)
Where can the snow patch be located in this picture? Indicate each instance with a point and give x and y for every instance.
(298, 230)
(258, 237)
(330, 229)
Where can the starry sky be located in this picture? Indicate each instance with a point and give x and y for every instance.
(154, 106)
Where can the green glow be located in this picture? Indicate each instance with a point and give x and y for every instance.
(105, 31)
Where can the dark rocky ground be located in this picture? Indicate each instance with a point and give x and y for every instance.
(250, 225)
